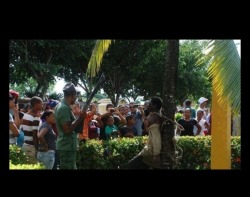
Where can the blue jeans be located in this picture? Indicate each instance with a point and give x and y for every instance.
(46, 158)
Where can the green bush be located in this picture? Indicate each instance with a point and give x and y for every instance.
(91, 155)
(16, 155)
(121, 150)
(236, 152)
(115, 154)
(18, 160)
(196, 152)
(26, 166)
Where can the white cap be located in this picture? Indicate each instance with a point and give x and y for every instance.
(202, 100)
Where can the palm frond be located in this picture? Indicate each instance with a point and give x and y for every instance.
(225, 72)
(100, 48)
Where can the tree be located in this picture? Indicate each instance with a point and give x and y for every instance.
(44, 59)
(225, 72)
(169, 107)
(32, 58)
(193, 80)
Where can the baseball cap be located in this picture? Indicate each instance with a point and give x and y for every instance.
(14, 93)
(69, 87)
(53, 104)
(10, 97)
(202, 100)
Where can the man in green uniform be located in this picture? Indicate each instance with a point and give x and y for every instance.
(68, 127)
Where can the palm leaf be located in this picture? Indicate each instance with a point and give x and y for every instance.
(225, 72)
(101, 46)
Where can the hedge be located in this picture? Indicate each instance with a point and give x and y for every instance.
(115, 154)
(38, 166)
(18, 160)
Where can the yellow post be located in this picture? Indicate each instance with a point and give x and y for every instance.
(221, 135)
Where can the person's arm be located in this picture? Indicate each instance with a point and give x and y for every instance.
(141, 111)
(16, 115)
(99, 122)
(122, 119)
(40, 137)
(198, 128)
(93, 108)
(14, 129)
(206, 125)
(69, 127)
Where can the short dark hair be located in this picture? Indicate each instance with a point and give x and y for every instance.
(21, 106)
(129, 117)
(188, 102)
(34, 100)
(109, 105)
(46, 114)
(157, 102)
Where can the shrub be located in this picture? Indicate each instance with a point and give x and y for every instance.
(115, 154)
(91, 155)
(26, 166)
(236, 152)
(18, 160)
(121, 150)
(16, 155)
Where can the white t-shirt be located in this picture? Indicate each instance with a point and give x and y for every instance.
(203, 128)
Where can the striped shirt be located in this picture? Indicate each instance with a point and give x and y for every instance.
(30, 124)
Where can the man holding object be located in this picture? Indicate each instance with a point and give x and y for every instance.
(68, 127)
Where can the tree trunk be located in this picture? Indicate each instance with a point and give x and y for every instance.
(169, 106)
(117, 100)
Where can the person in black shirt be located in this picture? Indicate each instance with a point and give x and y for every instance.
(188, 124)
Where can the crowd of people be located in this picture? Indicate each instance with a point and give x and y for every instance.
(50, 132)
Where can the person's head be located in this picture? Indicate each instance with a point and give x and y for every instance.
(11, 101)
(203, 102)
(155, 104)
(133, 107)
(188, 103)
(15, 95)
(48, 116)
(187, 113)
(76, 109)
(108, 106)
(36, 103)
(69, 91)
(130, 119)
(46, 106)
(21, 107)
(122, 109)
(200, 114)
(53, 104)
(110, 121)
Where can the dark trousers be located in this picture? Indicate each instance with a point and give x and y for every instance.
(57, 161)
(67, 160)
(137, 163)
